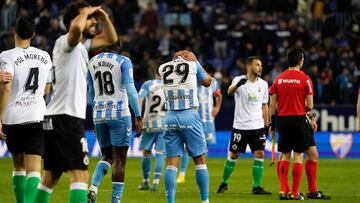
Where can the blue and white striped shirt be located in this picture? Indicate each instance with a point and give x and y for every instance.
(112, 86)
(180, 78)
(154, 114)
(206, 102)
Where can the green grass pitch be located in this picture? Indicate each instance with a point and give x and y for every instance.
(338, 178)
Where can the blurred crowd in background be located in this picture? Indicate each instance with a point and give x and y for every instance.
(222, 33)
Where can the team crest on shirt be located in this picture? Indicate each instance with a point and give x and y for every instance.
(341, 144)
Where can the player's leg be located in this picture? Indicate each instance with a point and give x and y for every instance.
(195, 141)
(312, 157)
(33, 152)
(103, 166)
(146, 144)
(120, 131)
(237, 144)
(118, 174)
(184, 163)
(174, 147)
(159, 160)
(257, 141)
(278, 171)
(16, 145)
(45, 188)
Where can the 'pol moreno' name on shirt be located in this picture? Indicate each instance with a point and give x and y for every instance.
(30, 57)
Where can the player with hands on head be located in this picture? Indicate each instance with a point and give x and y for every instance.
(111, 85)
(180, 77)
(65, 142)
(250, 123)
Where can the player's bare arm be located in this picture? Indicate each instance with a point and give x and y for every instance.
(309, 103)
(138, 126)
(272, 110)
(218, 102)
(78, 25)
(108, 35)
(5, 91)
(265, 114)
(232, 88)
(5, 76)
(47, 89)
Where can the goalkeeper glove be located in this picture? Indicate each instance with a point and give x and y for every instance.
(241, 82)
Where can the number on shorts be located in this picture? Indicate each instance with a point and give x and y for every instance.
(84, 144)
(237, 137)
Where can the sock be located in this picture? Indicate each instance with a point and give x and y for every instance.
(287, 187)
(202, 180)
(311, 168)
(33, 179)
(184, 163)
(258, 172)
(284, 170)
(101, 170)
(78, 192)
(228, 169)
(117, 191)
(159, 165)
(19, 185)
(43, 194)
(146, 166)
(170, 183)
(296, 177)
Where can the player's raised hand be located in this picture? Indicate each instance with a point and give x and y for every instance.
(5, 76)
(185, 54)
(241, 82)
(101, 14)
(89, 10)
(138, 126)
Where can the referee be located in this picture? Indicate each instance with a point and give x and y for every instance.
(292, 94)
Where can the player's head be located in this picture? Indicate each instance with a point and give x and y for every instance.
(72, 10)
(25, 27)
(209, 68)
(295, 56)
(254, 65)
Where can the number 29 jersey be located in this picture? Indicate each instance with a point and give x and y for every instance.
(180, 78)
(109, 72)
(153, 91)
(31, 71)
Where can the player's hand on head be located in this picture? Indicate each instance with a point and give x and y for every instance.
(185, 54)
(101, 14)
(241, 82)
(138, 126)
(89, 10)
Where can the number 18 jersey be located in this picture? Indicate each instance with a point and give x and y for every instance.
(31, 71)
(109, 72)
(153, 91)
(180, 78)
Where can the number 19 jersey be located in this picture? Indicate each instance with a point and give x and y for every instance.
(109, 72)
(31, 71)
(180, 78)
(153, 91)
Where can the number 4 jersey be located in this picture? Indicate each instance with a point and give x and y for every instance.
(181, 78)
(31, 71)
(110, 73)
(153, 91)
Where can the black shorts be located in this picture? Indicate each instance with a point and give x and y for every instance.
(293, 134)
(241, 138)
(25, 138)
(65, 144)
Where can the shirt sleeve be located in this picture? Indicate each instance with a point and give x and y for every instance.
(128, 81)
(200, 73)
(144, 90)
(50, 73)
(91, 92)
(309, 87)
(235, 81)
(273, 88)
(265, 99)
(6, 64)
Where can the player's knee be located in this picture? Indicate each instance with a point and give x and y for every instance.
(259, 154)
(312, 154)
(233, 155)
(50, 178)
(199, 160)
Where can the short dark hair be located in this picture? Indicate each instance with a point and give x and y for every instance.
(208, 67)
(25, 27)
(72, 10)
(250, 59)
(294, 55)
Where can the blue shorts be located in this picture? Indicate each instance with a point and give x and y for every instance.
(209, 130)
(148, 139)
(114, 132)
(184, 127)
